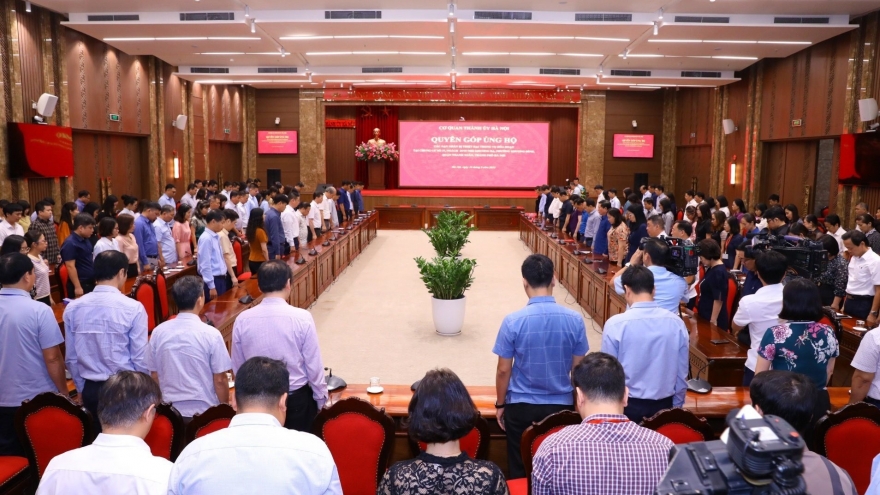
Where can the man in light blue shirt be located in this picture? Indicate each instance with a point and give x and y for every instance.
(162, 227)
(211, 265)
(670, 289)
(589, 222)
(252, 201)
(105, 331)
(30, 347)
(652, 345)
(145, 236)
(167, 199)
(537, 347)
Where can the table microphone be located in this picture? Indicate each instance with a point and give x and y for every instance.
(699, 385)
(313, 252)
(301, 260)
(209, 322)
(333, 382)
(246, 298)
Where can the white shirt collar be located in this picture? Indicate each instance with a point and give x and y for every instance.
(131, 441)
(254, 419)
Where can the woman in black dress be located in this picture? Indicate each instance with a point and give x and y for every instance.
(713, 288)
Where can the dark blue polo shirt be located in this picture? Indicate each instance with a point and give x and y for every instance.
(79, 250)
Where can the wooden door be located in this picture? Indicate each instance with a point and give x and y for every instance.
(225, 161)
(692, 170)
(88, 170)
(790, 171)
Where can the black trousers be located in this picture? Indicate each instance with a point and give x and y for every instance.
(219, 285)
(872, 401)
(748, 376)
(301, 410)
(858, 306)
(518, 417)
(90, 393)
(637, 410)
(133, 270)
(8, 440)
(255, 266)
(311, 237)
(87, 286)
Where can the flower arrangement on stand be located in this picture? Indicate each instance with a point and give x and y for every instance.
(371, 152)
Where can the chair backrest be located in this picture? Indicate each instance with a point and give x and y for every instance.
(732, 296)
(361, 439)
(679, 215)
(63, 277)
(214, 418)
(239, 262)
(535, 435)
(166, 435)
(850, 438)
(680, 426)
(146, 293)
(829, 318)
(162, 292)
(49, 425)
(475, 444)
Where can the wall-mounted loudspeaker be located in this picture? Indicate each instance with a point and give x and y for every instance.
(729, 126)
(180, 122)
(46, 104)
(868, 109)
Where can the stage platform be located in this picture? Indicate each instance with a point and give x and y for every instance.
(456, 197)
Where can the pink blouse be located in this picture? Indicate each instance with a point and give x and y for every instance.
(182, 234)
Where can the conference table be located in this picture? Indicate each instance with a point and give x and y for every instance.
(414, 217)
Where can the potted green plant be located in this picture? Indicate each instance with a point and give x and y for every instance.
(447, 279)
(450, 233)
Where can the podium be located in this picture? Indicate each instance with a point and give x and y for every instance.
(376, 174)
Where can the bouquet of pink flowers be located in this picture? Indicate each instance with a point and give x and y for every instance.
(370, 152)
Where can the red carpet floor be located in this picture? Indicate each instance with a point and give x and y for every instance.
(451, 193)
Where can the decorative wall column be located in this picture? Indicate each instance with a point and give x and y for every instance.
(155, 142)
(189, 156)
(752, 156)
(717, 167)
(311, 164)
(667, 149)
(592, 150)
(11, 28)
(249, 141)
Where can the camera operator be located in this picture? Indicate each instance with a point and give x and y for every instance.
(670, 290)
(760, 310)
(863, 286)
(791, 396)
(684, 230)
(832, 282)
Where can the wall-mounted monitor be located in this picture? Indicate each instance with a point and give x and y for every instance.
(37, 150)
(633, 146)
(276, 142)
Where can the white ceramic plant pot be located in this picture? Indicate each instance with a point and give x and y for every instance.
(448, 315)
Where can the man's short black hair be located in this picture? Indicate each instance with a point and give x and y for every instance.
(855, 236)
(709, 249)
(771, 266)
(108, 264)
(598, 186)
(300, 184)
(215, 216)
(786, 394)
(187, 291)
(658, 221)
(591, 202)
(41, 205)
(690, 192)
(12, 207)
(82, 194)
(649, 201)
(685, 227)
(639, 279)
(274, 276)
(125, 397)
(170, 186)
(775, 213)
(83, 220)
(537, 269)
(801, 301)
(700, 194)
(282, 198)
(230, 214)
(613, 190)
(773, 197)
(659, 187)
(441, 410)
(657, 250)
(261, 381)
(152, 205)
(833, 219)
(600, 377)
(13, 267)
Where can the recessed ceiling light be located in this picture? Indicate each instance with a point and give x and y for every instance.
(655, 40)
(727, 57)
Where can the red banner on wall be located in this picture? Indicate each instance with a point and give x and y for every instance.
(461, 95)
(340, 123)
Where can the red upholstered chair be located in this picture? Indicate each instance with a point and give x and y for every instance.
(239, 261)
(146, 293)
(63, 277)
(680, 215)
(162, 292)
(732, 297)
(680, 426)
(532, 439)
(14, 474)
(50, 424)
(214, 418)
(166, 435)
(850, 438)
(475, 444)
(361, 439)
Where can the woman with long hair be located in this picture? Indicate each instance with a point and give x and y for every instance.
(108, 209)
(618, 237)
(760, 222)
(667, 214)
(723, 205)
(713, 288)
(37, 245)
(732, 240)
(198, 218)
(65, 225)
(256, 236)
(129, 206)
(832, 282)
(791, 214)
(182, 232)
(704, 222)
(811, 223)
(638, 229)
(737, 208)
(718, 219)
(14, 244)
(127, 242)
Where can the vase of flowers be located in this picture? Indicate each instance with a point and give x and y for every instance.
(375, 152)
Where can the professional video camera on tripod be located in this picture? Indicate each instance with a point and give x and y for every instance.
(684, 257)
(805, 256)
(762, 456)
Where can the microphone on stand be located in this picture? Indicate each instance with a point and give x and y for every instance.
(301, 260)
(246, 299)
(333, 382)
(699, 385)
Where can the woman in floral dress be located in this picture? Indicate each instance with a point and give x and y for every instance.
(618, 237)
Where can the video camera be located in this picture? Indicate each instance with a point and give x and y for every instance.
(805, 256)
(762, 456)
(684, 256)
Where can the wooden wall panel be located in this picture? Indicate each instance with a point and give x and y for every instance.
(284, 104)
(563, 128)
(339, 152)
(174, 137)
(809, 85)
(789, 167)
(621, 108)
(735, 144)
(39, 189)
(694, 116)
(691, 170)
(224, 112)
(30, 55)
(122, 159)
(198, 127)
(226, 161)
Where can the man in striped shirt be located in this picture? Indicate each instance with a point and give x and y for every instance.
(606, 453)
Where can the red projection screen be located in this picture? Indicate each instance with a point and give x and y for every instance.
(633, 146)
(276, 142)
(474, 154)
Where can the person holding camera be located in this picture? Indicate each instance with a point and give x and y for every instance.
(670, 289)
(776, 221)
(832, 282)
(863, 286)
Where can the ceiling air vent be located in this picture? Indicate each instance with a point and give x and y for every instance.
(352, 14)
(630, 73)
(488, 70)
(380, 70)
(801, 20)
(502, 16)
(276, 70)
(603, 17)
(695, 73)
(561, 72)
(207, 16)
(702, 19)
(114, 18)
(209, 70)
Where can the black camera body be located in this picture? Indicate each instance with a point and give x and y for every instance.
(805, 256)
(762, 456)
(684, 256)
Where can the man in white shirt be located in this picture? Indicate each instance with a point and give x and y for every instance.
(760, 311)
(232, 201)
(118, 461)
(189, 198)
(835, 230)
(331, 219)
(9, 225)
(599, 189)
(863, 285)
(167, 199)
(162, 227)
(305, 228)
(645, 192)
(190, 360)
(316, 216)
(290, 224)
(577, 187)
(243, 212)
(268, 457)
(555, 205)
(866, 379)
(613, 199)
(660, 194)
(689, 197)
